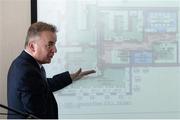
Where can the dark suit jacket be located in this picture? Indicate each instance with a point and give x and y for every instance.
(30, 92)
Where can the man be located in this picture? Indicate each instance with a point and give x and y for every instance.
(29, 91)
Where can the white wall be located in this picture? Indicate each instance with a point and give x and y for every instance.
(0, 52)
(14, 22)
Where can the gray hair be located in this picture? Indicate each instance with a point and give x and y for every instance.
(36, 28)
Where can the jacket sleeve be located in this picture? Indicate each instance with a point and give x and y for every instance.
(59, 81)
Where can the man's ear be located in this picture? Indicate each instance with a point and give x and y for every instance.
(32, 45)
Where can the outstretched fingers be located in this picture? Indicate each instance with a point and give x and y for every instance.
(87, 72)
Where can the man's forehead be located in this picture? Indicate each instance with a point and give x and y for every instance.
(48, 35)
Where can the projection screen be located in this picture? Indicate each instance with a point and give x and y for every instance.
(134, 47)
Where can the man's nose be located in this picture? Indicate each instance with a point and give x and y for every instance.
(54, 49)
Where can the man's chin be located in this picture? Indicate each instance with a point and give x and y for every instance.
(47, 62)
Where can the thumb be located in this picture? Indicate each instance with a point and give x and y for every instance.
(78, 72)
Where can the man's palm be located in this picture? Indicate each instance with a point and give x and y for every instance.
(79, 74)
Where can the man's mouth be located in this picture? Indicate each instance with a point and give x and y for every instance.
(51, 56)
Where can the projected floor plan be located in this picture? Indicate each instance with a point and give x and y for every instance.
(133, 48)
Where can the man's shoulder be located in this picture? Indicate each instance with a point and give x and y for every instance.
(23, 72)
(22, 65)
(24, 60)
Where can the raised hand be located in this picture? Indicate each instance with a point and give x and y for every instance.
(79, 74)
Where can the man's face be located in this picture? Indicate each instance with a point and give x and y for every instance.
(45, 47)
